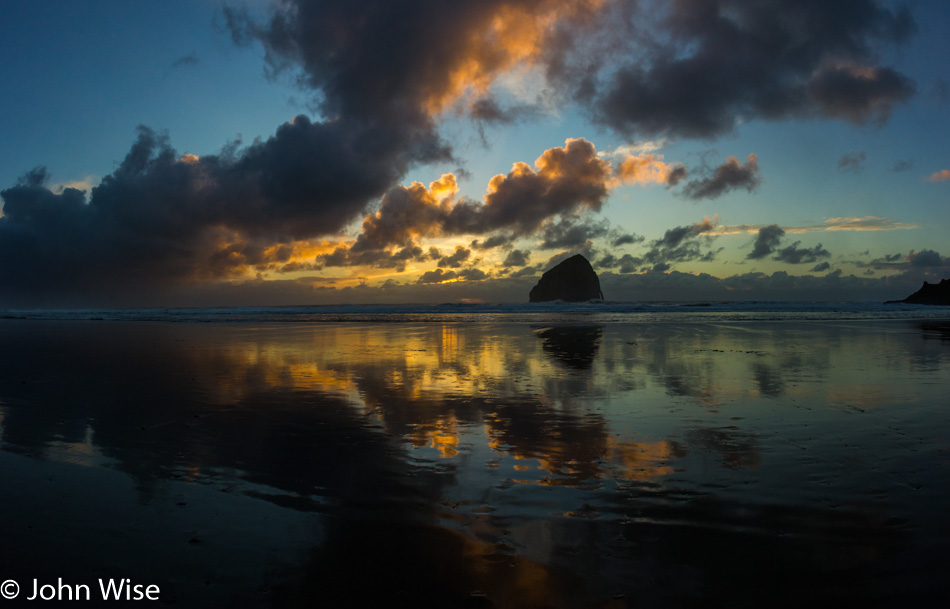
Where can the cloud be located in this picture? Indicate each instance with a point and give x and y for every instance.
(162, 218)
(766, 241)
(397, 259)
(492, 242)
(636, 67)
(626, 286)
(443, 57)
(939, 176)
(517, 258)
(628, 264)
(625, 264)
(564, 182)
(771, 60)
(731, 175)
(437, 276)
(647, 169)
(793, 254)
(675, 236)
(627, 239)
(457, 259)
(902, 165)
(86, 185)
(186, 61)
(528, 271)
(473, 274)
(852, 162)
(925, 258)
(820, 267)
(852, 223)
(859, 93)
(442, 276)
(635, 149)
(679, 244)
(569, 233)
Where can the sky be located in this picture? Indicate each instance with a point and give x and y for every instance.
(293, 152)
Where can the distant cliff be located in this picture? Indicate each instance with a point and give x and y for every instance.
(573, 280)
(930, 294)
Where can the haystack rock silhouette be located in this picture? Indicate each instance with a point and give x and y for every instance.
(930, 294)
(573, 280)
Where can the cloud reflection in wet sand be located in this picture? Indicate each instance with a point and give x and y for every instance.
(483, 464)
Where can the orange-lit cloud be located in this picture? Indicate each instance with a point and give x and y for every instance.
(234, 257)
(564, 180)
(939, 176)
(648, 169)
(512, 38)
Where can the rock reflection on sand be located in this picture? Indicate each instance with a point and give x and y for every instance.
(482, 464)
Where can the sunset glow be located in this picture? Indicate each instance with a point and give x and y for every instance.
(464, 155)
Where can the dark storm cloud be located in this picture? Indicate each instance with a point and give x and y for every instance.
(381, 60)
(887, 262)
(440, 275)
(528, 271)
(624, 264)
(925, 258)
(793, 254)
(859, 94)
(437, 276)
(675, 236)
(852, 161)
(517, 258)
(627, 239)
(679, 244)
(384, 259)
(457, 259)
(766, 241)
(628, 264)
(711, 62)
(487, 110)
(473, 274)
(161, 217)
(569, 233)
(676, 175)
(493, 242)
(731, 175)
(686, 67)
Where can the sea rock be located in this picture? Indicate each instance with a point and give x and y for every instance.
(930, 294)
(573, 280)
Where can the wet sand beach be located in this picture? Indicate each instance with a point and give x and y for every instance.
(480, 464)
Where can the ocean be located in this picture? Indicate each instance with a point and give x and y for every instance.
(554, 312)
(532, 456)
